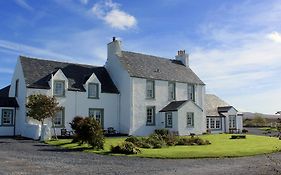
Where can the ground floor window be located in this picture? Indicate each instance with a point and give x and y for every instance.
(150, 115)
(232, 121)
(59, 119)
(168, 120)
(214, 123)
(7, 117)
(190, 119)
(97, 114)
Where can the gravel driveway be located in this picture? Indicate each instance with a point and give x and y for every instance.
(31, 157)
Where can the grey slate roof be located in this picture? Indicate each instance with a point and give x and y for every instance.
(173, 106)
(8, 102)
(214, 105)
(4, 92)
(37, 73)
(152, 67)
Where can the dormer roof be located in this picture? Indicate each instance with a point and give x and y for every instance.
(38, 72)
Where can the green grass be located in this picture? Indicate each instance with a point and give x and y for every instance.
(221, 146)
(268, 129)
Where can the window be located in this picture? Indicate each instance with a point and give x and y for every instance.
(59, 119)
(214, 123)
(17, 88)
(59, 88)
(232, 121)
(190, 119)
(93, 90)
(191, 92)
(97, 114)
(7, 117)
(171, 91)
(150, 115)
(218, 123)
(149, 89)
(169, 120)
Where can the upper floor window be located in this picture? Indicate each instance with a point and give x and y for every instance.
(190, 119)
(17, 88)
(150, 89)
(171, 91)
(93, 90)
(59, 118)
(59, 88)
(150, 115)
(7, 117)
(191, 92)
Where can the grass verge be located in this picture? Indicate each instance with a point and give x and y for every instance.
(221, 146)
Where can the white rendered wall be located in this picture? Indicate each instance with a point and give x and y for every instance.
(21, 99)
(6, 130)
(199, 119)
(123, 82)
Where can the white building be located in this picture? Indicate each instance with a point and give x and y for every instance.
(133, 93)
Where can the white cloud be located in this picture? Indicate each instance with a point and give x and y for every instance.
(24, 4)
(84, 2)
(274, 36)
(111, 13)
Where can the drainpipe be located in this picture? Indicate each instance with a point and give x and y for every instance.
(15, 121)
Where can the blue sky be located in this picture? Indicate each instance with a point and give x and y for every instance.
(234, 45)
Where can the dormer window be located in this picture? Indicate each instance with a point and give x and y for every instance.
(59, 88)
(171, 91)
(93, 90)
(191, 92)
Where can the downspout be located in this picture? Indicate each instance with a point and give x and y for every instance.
(15, 121)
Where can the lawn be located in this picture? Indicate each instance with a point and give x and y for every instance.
(221, 146)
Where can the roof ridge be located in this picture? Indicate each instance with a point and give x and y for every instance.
(56, 61)
(144, 54)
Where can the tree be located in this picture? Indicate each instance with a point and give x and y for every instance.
(41, 107)
(259, 121)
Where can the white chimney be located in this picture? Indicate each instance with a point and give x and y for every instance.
(114, 48)
(183, 57)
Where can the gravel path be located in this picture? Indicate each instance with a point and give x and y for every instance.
(31, 157)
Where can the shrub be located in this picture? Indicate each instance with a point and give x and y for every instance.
(162, 132)
(238, 137)
(88, 130)
(133, 139)
(244, 131)
(170, 138)
(156, 141)
(125, 148)
(192, 141)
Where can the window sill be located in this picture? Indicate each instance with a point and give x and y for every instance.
(148, 98)
(10, 125)
(59, 96)
(94, 98)
(60, 126)
(150, 124)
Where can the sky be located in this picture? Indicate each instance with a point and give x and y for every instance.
(234, 46)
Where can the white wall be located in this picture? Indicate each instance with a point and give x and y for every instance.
(6, 130)
(199, 119)
(21, 99)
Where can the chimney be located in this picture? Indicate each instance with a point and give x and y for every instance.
(183, 57)
(114, 48)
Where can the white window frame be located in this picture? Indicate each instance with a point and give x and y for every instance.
(7, 114)
(150, 89)
(214, 123)
(171, 91)
(191, 92)
(93, 90)
(150, 116)
(232, 121)
(168, 119)
(59, 92)
(190, 119)
(59, 120)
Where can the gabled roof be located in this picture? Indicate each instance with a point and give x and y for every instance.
(214, 106)
(176, 105)
(152, 67)
(38, 72)
(4, 92)
(8, 102)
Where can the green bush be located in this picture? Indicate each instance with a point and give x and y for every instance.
(88, 130)
(192, 141)
(133, 139)
(125, 148)
(162, 132)
(156, 141)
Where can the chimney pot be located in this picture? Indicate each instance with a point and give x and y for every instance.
(113, 38)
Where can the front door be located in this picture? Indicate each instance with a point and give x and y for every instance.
(98, 115)
(168, 120)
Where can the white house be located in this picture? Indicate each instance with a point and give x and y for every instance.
(134, 93)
